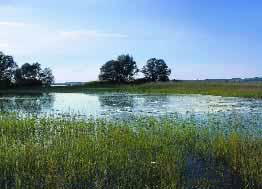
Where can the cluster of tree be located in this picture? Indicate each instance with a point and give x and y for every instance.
(120, 70)
(26, 75)
(124, 68)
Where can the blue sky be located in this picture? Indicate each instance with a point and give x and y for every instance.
(197, 38)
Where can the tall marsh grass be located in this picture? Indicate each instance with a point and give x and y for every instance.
(146, 153)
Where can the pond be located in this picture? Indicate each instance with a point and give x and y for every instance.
(243, 114)
(126, 106)
(122, 105)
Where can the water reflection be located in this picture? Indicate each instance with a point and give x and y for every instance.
(24, 103)
(117, 100)
(154, 105)
(126, 106)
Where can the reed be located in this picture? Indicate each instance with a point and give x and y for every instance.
(143, 153)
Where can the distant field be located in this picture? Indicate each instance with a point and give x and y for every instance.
(253, 90)
(206, 88)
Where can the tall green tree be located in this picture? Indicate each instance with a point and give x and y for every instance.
(7, 70)
(31, 71)
(121, 70)
(47, 77)
(156, 70)
(33, 75)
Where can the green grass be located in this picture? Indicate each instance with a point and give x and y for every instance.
(146, 153)
(206, 88)
(252, 90)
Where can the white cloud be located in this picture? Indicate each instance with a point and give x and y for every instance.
(89, 34)
(77, 72)
(3, 45)
(12, 24)
(26, 39)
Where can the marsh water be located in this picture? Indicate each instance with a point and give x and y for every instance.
(125, 106)
(223, 111)
(122, 105)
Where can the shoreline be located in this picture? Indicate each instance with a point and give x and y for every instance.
(245, 90)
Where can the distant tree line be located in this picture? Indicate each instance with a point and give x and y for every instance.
(124, 68)
(26, 75)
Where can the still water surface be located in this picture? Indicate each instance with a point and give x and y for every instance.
(124, 106)
(121, 104)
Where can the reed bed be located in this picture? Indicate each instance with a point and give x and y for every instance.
(143, 153)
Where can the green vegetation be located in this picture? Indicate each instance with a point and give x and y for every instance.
(28, 75)
(72, 153)
(252, 90)
(33, 75)
(124, 69)
(121, 70)
(156, 70)
(118, 76)
(7, 70)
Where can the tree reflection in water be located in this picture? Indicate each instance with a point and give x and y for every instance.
(27, 103)
(119, 100)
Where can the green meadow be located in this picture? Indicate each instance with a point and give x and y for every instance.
(144, 153)
(206, 88)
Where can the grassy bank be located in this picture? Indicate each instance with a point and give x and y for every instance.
(252, 90)
(70, 153)
(221, 89)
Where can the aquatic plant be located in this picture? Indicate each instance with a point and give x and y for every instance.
(144, 153)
